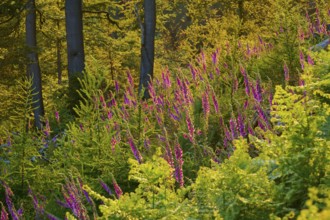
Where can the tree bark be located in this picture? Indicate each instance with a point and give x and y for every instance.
(33, 68)
(75, 48)
(147, 46)
(74, 37)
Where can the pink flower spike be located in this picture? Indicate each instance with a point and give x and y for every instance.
(206, 104)
(117, 86)
(215, 103)
(286, 72)
(302, 59)
(57, 116)
(4, 214)
(310, 60)
(135, 151)
(130, 79)
(191, 129)
(118, 190)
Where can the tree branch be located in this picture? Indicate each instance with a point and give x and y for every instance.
(111, 20)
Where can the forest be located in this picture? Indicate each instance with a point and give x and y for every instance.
(165, 109)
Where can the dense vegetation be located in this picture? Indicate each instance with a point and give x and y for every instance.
(236, 126)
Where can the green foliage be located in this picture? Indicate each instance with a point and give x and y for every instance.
(318, 206)
(239, 188)
(154, 198)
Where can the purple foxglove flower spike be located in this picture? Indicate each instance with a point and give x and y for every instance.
(310, 60)
(270, 99)
(206, 104)
(301, 82)
(241, 126)
(135, 151)
(250, 130)
(126, 100)
(302, 60)
(211, 75)
(256, 94)
(193, 72)
(248, 51)
(217, 70)
(259, 90)
(88, 198)
(4, 214)
(169, 155)
(37, 206)
(146, 144)
(214, 58)
(225, 142)
(222, 125)
(81, 127)
(47, 129)
(130, 79)
(105, 187)
(10, 205)
(174, 117)
(246, 81)
(233, 128)
(57, 116)
(117, 86)
(286, 73)
(118, 190)
(191, 129)
(109, 115)
(178, 168)
(178, 81)
(51, 217)
(261, 125)
(215, 103)
(246, 104)
(262, 114)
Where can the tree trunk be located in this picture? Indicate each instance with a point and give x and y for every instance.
(75, 46)
(147, 46)
(33, 68)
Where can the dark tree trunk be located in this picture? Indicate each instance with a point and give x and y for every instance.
(33, 68)
(241, 10)
(147, 46)
(75, 46)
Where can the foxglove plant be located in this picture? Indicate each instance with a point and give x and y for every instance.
(38, 207)
(134, 149)
(73, 200)
(105, 187)
(246, 81)
(57, 116)
(302, 59)
(215, 102)
(118, 190)
(179, 163)
(4, 214)
(286, 72)
(191, 129)
(15, 215)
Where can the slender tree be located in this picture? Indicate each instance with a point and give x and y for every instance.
(33, 68)
(75, 44)
(147, 45)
